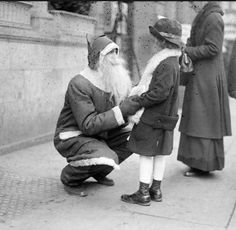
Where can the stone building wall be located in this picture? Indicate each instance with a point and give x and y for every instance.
(40, 52)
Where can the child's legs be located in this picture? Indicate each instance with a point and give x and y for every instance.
(145, 169)
(159, 163)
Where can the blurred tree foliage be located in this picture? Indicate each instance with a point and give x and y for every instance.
(79, 7)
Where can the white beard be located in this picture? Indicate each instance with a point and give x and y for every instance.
(116, 77)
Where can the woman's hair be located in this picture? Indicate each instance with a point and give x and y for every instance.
(166, 44)
(93, 60)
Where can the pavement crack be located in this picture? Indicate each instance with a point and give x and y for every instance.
(169, 218)
(124, 209)
(231, 216)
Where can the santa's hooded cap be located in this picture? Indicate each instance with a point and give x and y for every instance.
(101, 44)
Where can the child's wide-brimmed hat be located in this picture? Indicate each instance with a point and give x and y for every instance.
(168, 29)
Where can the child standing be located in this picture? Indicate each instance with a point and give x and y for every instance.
(152, 135)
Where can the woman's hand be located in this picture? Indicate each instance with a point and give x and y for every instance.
(232, 94)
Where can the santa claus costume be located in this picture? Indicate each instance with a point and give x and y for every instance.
(91, 131)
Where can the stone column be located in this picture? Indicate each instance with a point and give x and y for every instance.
(40, 9)
(97, 11)
(170, 9)
(41, 19)
(144, 14)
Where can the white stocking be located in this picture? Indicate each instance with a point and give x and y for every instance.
(145, 169)
(159, 163)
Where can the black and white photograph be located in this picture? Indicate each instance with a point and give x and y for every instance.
(117, 115)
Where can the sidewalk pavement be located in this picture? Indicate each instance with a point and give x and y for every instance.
(32, 196)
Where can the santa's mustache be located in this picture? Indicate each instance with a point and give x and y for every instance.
(115, 61)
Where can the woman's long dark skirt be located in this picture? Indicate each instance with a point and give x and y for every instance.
(201, 153)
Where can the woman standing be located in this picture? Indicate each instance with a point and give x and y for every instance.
(206, 115)
(232, 72)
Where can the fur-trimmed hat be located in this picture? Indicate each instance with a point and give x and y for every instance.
(168, 29)
(101, 44)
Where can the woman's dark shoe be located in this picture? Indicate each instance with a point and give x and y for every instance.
(104, 181)
(195, 173)
(141, 197)
(155, 195)
(190, 173)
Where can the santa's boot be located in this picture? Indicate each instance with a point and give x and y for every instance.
(155, 191)
(141, 197)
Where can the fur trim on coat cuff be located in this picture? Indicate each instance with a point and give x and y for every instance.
(95, 161)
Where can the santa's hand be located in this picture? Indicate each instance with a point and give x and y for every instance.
(129, 106)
